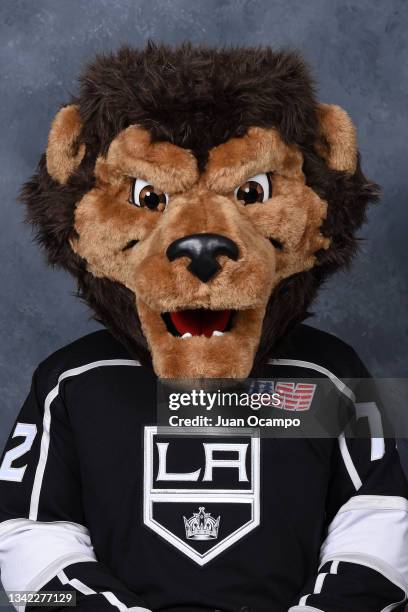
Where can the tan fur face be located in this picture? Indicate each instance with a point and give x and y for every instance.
(108, 226)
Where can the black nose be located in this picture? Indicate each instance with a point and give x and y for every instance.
(203, 249)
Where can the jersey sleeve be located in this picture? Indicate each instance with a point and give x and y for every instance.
(364, 554)
(45, 544)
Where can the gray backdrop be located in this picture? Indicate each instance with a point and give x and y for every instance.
(359, 52)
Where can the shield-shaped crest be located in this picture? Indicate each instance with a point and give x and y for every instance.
(201, 490)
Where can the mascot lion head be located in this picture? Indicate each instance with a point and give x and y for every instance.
(199, 197)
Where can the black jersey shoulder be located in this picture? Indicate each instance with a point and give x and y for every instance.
(306, 343)
(94, 347)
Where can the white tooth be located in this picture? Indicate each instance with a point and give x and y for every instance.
(187, 335)
(217, 333)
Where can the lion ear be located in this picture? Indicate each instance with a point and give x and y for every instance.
(337, 140)
(64, 152)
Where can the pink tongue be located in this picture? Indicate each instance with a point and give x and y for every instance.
(200, 322)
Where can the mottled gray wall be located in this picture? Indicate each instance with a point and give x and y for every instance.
(359, 52)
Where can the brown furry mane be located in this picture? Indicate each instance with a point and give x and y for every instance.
(197, 98)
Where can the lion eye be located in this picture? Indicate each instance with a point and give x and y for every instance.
(145, 195)
(256, 189)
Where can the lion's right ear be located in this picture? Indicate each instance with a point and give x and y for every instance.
(64, 153)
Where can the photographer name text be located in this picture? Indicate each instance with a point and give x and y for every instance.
(252, 420)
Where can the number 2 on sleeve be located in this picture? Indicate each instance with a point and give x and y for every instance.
(15, 474)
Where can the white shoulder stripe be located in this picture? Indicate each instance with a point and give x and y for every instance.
(309, 365)
(45, 439)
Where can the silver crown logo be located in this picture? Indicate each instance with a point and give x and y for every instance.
(201, 526)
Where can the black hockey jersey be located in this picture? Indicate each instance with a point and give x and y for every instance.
(94, 498)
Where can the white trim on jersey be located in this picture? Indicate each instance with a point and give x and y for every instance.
(45, 439)
(371, 530)
(304, 608)
(319, 582)
(317, 587)
(339, 384)
(302, 605)
(35, 552)
(381, 502)
(109, 596)
(370, 411)
(348, 462)
(394, 605)
(309, 365)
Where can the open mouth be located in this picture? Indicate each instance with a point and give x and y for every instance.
(199, 322)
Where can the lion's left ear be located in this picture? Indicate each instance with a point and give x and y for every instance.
(64, 153)
(337, 141)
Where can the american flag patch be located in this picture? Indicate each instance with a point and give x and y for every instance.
(295, 396)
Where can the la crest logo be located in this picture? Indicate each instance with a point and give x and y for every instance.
(201, 491)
